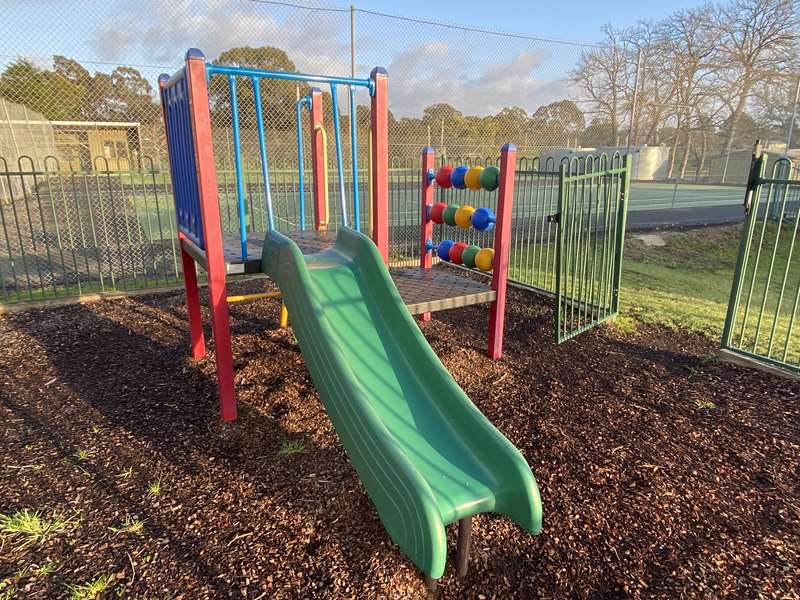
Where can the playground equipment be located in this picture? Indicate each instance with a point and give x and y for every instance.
(423, 451)
(464, 217)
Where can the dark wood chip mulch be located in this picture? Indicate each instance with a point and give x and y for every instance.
(663, 473)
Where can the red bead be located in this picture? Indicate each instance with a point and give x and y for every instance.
(443, 176)
(436, 212)
(455, 252)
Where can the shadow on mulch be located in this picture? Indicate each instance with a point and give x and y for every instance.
(662, 474)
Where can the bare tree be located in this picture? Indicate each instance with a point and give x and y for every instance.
(603, 76)
(758, 41)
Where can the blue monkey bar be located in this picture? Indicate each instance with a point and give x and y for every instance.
(255, 76)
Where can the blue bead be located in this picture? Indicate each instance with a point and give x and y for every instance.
(483, 219)
(457, 178)
(444, 249)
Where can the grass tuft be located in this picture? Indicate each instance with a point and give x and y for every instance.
(622, 324)
(292, 447)
(154, 488)
(126, 473)
(704, 405)
(45, 569)
(82, 455)
(129, 525)
(32, 527)
(91, 589)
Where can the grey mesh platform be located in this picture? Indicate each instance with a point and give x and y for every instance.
(422, 290)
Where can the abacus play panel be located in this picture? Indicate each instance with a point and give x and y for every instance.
(425, 454)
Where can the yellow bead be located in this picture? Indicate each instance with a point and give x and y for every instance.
(484, 259)
(464, 216)
(473, 178)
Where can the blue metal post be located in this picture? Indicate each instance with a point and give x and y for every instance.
(354, 157)
(304, 101)
(262, 147)
(237, 155)
(339, 168)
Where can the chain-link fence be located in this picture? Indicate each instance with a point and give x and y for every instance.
(79, 110)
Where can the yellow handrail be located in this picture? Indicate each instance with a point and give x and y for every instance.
(369, 180)
(321, 129)
(248, 297)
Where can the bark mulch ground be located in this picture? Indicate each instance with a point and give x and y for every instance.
(663, 472)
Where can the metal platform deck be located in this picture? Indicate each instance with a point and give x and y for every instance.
(422, 291)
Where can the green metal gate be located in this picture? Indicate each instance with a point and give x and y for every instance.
(762, 309)
(592, 210)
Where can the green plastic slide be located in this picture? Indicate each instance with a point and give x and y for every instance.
(425, 454)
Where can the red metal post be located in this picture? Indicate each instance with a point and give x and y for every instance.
(318, 162)
(189, 268)
(426, 230)
(193, 303)
(380, 161)
(200, 118)
(502, 235)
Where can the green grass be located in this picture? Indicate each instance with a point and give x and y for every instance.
(32, 527)
(82, 455)
(129, 525)
(91, 589)
(685, 284)
(45, 569)
(154, 488)
(292, 447)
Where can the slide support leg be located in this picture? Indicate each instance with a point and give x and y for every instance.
(284, 316)
(193, 304)
(462, 551)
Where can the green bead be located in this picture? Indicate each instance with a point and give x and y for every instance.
(490, 178)
(449, 214)
(468, 256)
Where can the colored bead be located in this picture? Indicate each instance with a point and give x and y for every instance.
(444, 249)
(473, 178)
(443, 176)
(468, 256)
(464, 215)
(436, 212)
(484, 259)
(490, 178)
(455, 252)
(449, 214)
(483, 219)
(457, 178)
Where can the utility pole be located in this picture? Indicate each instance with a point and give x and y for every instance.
(794, 114)
(635, 99)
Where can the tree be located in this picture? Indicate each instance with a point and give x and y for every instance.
(41, 90)
(560, 122)
(758, 40)
(277, 96)
(603, 75)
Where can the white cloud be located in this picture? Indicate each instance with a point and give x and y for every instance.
(433, 73)
(314, 44)
(318, 42)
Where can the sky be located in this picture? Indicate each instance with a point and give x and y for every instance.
(477, 73)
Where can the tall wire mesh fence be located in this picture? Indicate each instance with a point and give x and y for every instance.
(79, 112)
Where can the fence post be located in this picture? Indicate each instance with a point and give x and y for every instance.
(200, 119)
(622, 217)
(426, 233)
(505, 200)
(318, 162)
(380, 161)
